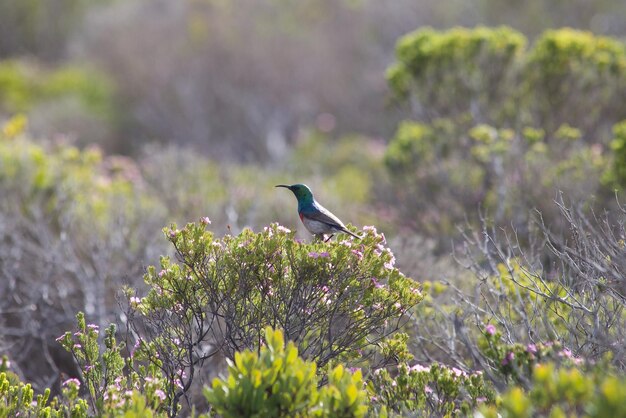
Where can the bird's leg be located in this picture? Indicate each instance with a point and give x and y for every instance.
(329, 237)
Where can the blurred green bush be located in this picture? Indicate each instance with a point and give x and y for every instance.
(70, 100)
(500, 128)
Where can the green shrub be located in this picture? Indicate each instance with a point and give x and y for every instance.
(335, 300)
(24, 84)
(434, 390)
(277, 383)
(563, 391)
(616, 174)
(576, 77)
(458, 72)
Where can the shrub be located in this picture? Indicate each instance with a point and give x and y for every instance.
(563, 391)
(458, 72)
(434, 390)
(616, 174)
(74, 101)
(335, 300)
(578, 78)
(278, 383)
(74, 225)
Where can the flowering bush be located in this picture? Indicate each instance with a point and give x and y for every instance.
(335, 300)
(434, 390)
(108, 389)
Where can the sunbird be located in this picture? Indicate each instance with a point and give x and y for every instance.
(316, 218)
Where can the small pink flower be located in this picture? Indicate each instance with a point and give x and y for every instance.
(71, 381)
(358, 253)
(205, 220)
(565, 353)
(77, 346)
(418, 368)
(376, 284)
(531, 348)
(160, 394)
(458, 372)
(325, 289)
(283, 229)
(324, 254)
(510, 356)
(370, 228)
(162, 273)
(481, 399)
(427, 389)
(490, 329)
(313, 254)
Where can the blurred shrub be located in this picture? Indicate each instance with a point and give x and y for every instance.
(43, 29)
(616, 173)
(502, 129)
(236, 100)
(278, 383)
(71, 100)
(459, 72)
(577, 78)
(563, 391)
(505, 173)
(73, 225)
(336, 300)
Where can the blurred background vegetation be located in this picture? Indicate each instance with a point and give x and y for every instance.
(119, 117)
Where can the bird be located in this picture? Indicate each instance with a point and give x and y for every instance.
(316, 218)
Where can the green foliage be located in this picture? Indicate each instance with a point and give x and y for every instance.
(66, 181)
(516, 362)
(616, 175)
(110, 391)
(278, 383)
(503, 171)
(453, 72)
(413, 144)
(533, 122)
(563, 391)
(17, 399)
(334, 299)
(432, 391)
(23, 85)
(577, 75)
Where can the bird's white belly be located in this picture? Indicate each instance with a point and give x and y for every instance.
(316, 227)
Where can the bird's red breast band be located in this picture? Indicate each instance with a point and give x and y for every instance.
(301, 216)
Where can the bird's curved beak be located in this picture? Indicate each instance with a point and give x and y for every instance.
(283, 185)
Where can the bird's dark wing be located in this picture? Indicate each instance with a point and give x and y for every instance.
(324, 215)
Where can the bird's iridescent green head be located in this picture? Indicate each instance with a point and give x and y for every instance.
(301, 191)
